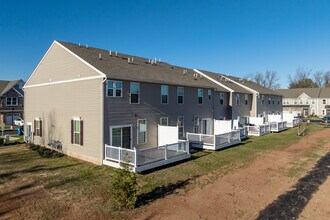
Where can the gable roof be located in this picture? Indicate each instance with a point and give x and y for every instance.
(5, 86)
(227, 83)
(295, 93)
(117, 67)
(252, 85)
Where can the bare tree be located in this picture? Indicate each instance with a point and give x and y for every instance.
(301, 79)
(326, 79)
(319, 78)
(269, 79)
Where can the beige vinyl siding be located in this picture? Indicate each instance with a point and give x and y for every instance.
(56, 105)
(59, 64)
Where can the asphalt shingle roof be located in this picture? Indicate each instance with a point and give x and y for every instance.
(5, 86)
(117, 67)
(295, 93)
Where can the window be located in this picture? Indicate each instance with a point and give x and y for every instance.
(307, 102)
(142, 131)
(222, 97)
(196, 124)
(237, 99)
(209, 94)
(164, 121)
(324, 101)
(273, 101)
(313, 111)
(181, 126)
(200, 96)
(164, 94)
(76, 131)
(37, 127)
(262, 99)
(323, 111)
(12, 101)
(301, 102)
(114, 88)
(313, 101)
(135, 93)
(180, 95)
(269, 101)
(246, 99)
(278, 101)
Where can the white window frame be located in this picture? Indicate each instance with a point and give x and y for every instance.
(324, 101)
(160, 121)
(209, 94)
(146, 132)
(130, 92)
(180, 126)
(269, 101)
(114, 88)
(262, 99)
(222, 98)
(76, 119)
(238, 99)
(161, 94)
(178, 95)
(121, 139)
(246, 99)
(11, 101)
(198, 96)
(38, 130)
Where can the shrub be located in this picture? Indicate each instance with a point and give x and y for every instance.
(124, 188)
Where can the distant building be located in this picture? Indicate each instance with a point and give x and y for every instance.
(11, 101)
(307, 101)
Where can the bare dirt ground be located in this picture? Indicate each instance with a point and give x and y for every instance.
(245, 192)
(319, 204)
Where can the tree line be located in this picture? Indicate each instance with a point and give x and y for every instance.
(303, 78)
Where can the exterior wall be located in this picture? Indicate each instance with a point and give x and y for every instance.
(266, 108)
(118, 110)
(315, 105)
(242, 109)
(56, 105)
(222, 111)
(58, 65)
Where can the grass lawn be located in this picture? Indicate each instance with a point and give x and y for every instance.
(69, 180)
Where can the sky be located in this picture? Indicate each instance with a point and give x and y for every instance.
(235, 37)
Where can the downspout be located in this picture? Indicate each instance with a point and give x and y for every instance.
(102, 120)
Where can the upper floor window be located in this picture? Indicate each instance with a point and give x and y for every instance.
(134, 93)
(324, 101)
(246, 99)
(209, 94)
(222, 97)
(142, 131)
(273, 101)
(200, 96)
(262, 99)
(114, 88)
(313, 101)
(164, 94)
(307, 102)
(164, 121)
(12, 101)
(269, 101)
(300, 101)
(278, 101)
(237, 99)
(180, 95)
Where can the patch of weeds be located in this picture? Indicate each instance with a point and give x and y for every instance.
(45, 152)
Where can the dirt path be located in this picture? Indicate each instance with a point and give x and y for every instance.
(242, 194)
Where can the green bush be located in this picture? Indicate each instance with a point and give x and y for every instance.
(124, 188)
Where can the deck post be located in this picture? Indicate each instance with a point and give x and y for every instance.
(166, 152)
(119, 155)
(135, 157)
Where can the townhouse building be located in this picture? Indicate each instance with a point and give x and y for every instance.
(307, 101)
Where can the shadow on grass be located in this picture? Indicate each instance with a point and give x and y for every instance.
(160, 192)
(292, 203)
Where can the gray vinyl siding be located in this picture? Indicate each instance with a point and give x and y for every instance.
(241, 110)
(222, 111)
(57, 65)
(267, 108)
(56, 105)
(118, 111)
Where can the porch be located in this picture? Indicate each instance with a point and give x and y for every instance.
(145, 159)
(278, 126)
(258, 130)
(214, 142)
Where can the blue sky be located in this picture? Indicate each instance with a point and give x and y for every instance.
(234, 37)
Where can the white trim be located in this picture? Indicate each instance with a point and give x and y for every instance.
(114, 88)
(11, 101)
(213, 80)
(121, 140)
(161, 95)
(82, 60)
(177, 95)
(65, 81)
(160, 121)
(66, 49)
(137, 131)
(200, 96)
(183, 133)
(17, 91)
(239, 84)
(130, 93)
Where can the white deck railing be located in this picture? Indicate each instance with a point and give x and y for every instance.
(258, 130)
(293, 123)
(278, 126)
(215, 142)
(243, 132)
(150, 157)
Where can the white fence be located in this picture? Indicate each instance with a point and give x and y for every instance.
(278, 126)
(148, 158)
(214, 142)
(258, 130)
(290, 119)
(257, 120)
